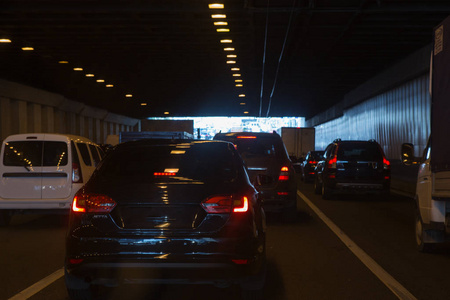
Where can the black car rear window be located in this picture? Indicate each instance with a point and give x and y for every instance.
(359, 151)
(35, 153)
(259, 146)
(187, 162)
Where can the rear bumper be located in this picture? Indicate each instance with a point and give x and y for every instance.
(274, 202)
(358, 187)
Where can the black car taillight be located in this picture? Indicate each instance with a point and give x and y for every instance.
(225, 204)
(284, 174)
(77, 176)
(92, 203)
(332, 163)
(386, 164)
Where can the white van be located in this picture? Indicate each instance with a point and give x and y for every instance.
(43, 171)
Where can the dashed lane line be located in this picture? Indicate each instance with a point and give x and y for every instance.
(38, 286)
(400, 291)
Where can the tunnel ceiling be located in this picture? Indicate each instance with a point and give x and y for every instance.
(168, 54)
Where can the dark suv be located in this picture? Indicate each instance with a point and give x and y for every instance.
(269, 167)
(352, 167)
(162, 211)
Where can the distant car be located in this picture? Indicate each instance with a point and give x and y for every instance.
(352, 167)
(269, 167)
(164, 211)
(308, 166)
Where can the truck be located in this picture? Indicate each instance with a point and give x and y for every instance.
(298, 141)
(432, 196)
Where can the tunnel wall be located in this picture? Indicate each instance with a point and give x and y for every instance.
(24, 109)
(392, 108)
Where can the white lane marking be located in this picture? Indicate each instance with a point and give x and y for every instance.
(392, 284)
(38, 286)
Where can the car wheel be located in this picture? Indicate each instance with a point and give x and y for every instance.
(252, 287)
(77, 288)
(317, 186)
(421, 245)
(326, 193)
(5, 217)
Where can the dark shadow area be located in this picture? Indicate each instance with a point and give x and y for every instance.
(37, 221)
(302, 217)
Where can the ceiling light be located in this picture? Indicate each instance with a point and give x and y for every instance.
(110, 85)
(241, 95)
(238, 80)
(128, 95)
(228, 49)
(223, 30)
(63, 62)
(242, 103)
(226, 41)
(100, 80)
(78, 69)
(235, 69)
(239, 85)
(231, 62)
(236, 75)
(5, 41)
(218, 16)
(90, 75)
(246, 112)
(27, 48)
(231, 55)
(166, 112)
(216, 6)
(143, 104)
(221, 23)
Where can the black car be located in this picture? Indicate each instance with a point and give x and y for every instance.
(308, 166)
(269, 167)
(166, 212)
(352, 167)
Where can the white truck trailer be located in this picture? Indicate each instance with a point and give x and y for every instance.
(433, 181)
(298, 140)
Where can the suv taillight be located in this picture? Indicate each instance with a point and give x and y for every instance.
(90, 202)
(284, 174)
(386, 164)
(77, 177)
(332, 163)
(224, 204)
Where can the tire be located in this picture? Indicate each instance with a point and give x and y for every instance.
(317, 186)
(77, 288)
(326, 193)
(5, 217)
(421, 245)
(252, 288)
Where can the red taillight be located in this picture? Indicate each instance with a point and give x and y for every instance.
(246, 137)
(87, 202)
(163, 174)
(77, 177)
(387, 177)
(332, 163)
(75, 261)
(282, 193)
(240, 261)
(225, 204)
(313, 162)
(386, 164)
(284, 174)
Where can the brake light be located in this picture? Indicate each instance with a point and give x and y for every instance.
(75, 261)
(246, 137)
(240, 261)
(332, 163)
(77, 176)
(163, 174)
(386, 164)
(312, 162)
(90, 202)
(284, 174)
(224, 204)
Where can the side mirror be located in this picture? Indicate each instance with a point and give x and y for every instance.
(407, 155)
(262, 179)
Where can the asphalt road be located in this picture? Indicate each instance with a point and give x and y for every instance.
(306, 260)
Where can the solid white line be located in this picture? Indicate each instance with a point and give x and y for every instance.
(396, 288)
(38, 286)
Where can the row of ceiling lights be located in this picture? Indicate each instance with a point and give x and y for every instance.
(77, 69)
(219, 21)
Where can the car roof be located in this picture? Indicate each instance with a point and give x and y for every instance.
(157, 142)
(246, 133)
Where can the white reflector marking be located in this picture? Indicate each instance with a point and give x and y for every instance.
(400, 291)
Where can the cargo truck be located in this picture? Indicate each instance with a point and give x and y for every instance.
(298, 141)
(432, 197)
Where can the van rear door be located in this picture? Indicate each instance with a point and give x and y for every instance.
(21, 169)
(56, 168)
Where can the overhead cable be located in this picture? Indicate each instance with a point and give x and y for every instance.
(264, 60)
